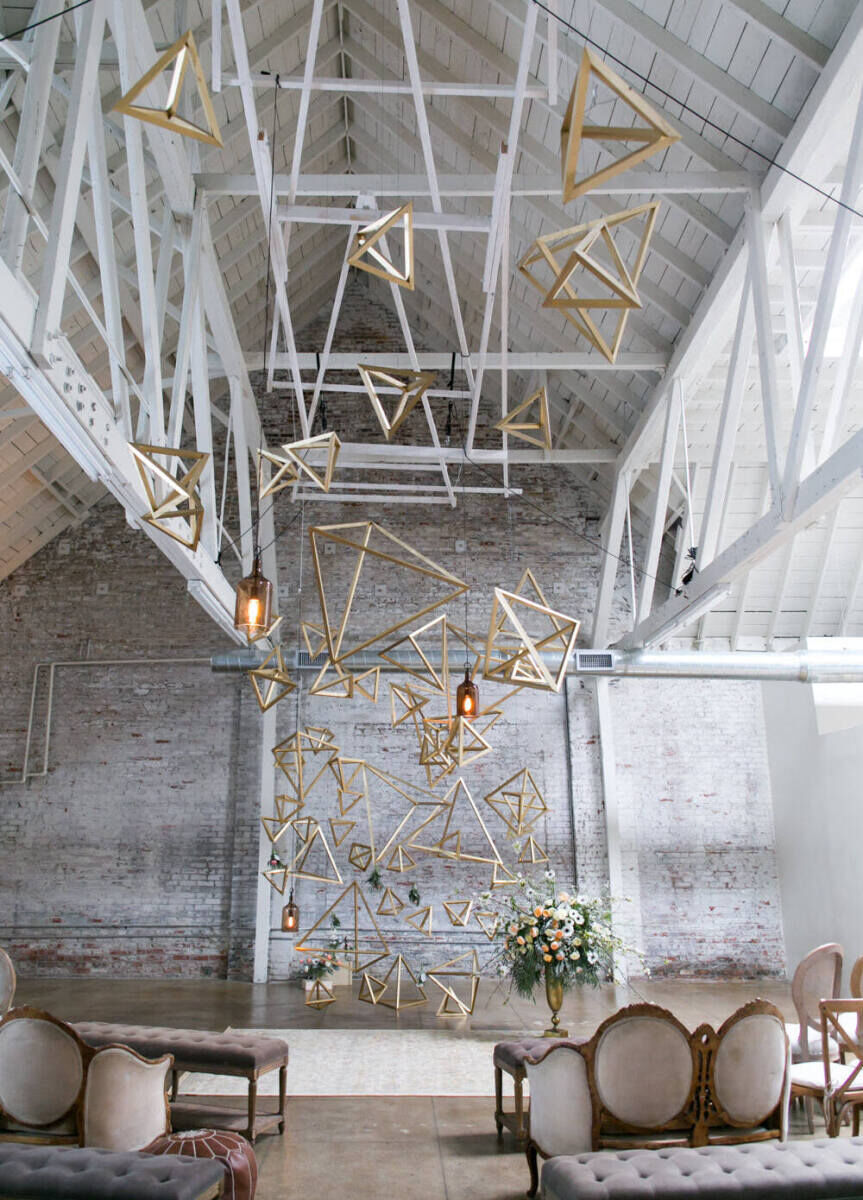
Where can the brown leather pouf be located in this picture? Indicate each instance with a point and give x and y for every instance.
(231, 1149)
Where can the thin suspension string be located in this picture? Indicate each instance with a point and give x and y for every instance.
(44, 21)
(467, 561)
(689, 515)
(267, 288)
(769, 159)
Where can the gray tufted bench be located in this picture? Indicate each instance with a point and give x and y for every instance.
(73, 1173)
(828, 1169)
(201, 1052)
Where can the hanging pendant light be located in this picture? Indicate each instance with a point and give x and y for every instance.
(291, 915)
(467, 696)
(253, 611)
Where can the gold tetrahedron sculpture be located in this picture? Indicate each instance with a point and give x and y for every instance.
(183, 54)
(529, 421)
(172, 499)
(403, 989)
(390, 905)
(371, 988)
(356, 919)
(332, 682)
(651, 135)
(532, 852)
(372, 545)
(583, 268)
(405, 703)
(312, 853)
(456, 830)
(420, 664)
(294, 757)
(367, 253)
(518, 802)
(410, 387)
(488, 922)
(421, 920)
(465, 743)
(271, 680)
(319, 995)
(360, 856)
(522, 632)
(458, 911)
(299, 463)
(464, 967)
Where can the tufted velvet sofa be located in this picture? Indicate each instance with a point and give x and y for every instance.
(643, 1080)
(73, 1173)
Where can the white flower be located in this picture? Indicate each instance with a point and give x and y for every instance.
(592, 958)
(568, 929)
(578, 918)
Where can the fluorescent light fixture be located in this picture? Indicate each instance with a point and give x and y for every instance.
(693, 612)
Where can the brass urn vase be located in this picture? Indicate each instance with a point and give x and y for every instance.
(554, 996)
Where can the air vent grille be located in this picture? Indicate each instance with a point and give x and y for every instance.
(592, 660)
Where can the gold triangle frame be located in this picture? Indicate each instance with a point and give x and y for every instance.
(458, 911)
(488, 923)
(412, 384)
(183, 54)
(361, 951)
(436, 681)
(452, 970)
(526, 430)
(298, 453)
(319, 995)
(514, 806)
(298, 866)
(278, 682)
(365, 255)
(658, 136)
(371, 988)
(340, 827)
(390, 905)
(180, 501)
(532, 853)
(360, 856)
(465, 744)
(525, 666)
(421, 920)
(449, 844)
(402, 969)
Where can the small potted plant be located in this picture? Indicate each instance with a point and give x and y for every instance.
(320, 966)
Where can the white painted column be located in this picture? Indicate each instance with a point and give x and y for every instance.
(264, 892)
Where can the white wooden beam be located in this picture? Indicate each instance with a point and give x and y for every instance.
(660, 509)
(764, 333)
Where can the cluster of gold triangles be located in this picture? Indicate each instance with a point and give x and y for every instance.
(532, 852)
(356, 918)
(294, 758)
(390, 904)
(299, 463)
(569, 285)
(652, 135)
(401, 987)
(367, 253)
(333, 682)
(463, 967)
(518, 802)
(456, 830)
(371, 543)
(419, 665)
(319, 995)
(182, 54)
(516, 655)
(172, 499)
(529, 421)
(411, 387)
(271, 680)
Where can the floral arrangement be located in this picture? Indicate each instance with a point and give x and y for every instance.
(319, 967)
(543, 930)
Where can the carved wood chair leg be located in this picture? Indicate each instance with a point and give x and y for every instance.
(520, 1125)
(530, 1151)
(253, 1109)
(498, 1101)
(175, 1084)
(855, 1127)
(283, 1095)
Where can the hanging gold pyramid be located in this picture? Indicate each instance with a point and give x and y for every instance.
(512, 653)
(657, 135)
(339, 829)
(421, 920)
(278, 682)
(458, 911)
(183, 54)
(532, 427)
(390, 905)
(400, 861)
(360, 856)
(301, 868)
(532, 852)
(465, 744)
(371, 988)
(518, 802)
(366, 948)
(332, 682)
(411, 385)
(319, 995)
(366, 255)
(424, 671)
(462, 967)
(301, 455)
(406, 990)
(456, 830)
(488, 923)
(180, 501)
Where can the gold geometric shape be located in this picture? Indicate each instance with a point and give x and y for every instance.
(463, 835)
(360, 856)
(333, 682)
(369, 949)
(349, 773)
(532, 852)
(357, 536)
(444, 976)
(368, 683)
(180, 501)
(319, 739)
(657, 136)
(618, 279)
(303, 827)
(405, 982)
(531, 423)
(182, 54)
(291, 758)
(458, 911)
(390, 905)
(514, 655)
(365, 255)
(411, 385)
(465, 744)
(319, 995)
(277, 877)
(501, 876)
(412, 702)
(400, 861)
(299, 453)
(278, 681)
(418, 801)
(314, 637)
(287, 807)
(285, 475)
(371, 988)
(435, 680)
(340, 829)
(275, 828)
(518, 802)
(488, 923)
(431, 735)
(299, 868)
(251, 639)
(421, 920)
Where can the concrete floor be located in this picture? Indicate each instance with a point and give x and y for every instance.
(433, 1148)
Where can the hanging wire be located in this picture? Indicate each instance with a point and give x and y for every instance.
(768, 158)
(267, 289)
(467, 561)
(44, 21)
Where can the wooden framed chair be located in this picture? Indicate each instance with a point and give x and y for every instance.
(818, 977)
(7, 982)
(43, 1066)
(855, 984)
(836, 1086)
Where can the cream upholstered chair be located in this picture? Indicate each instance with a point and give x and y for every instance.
(749, 1075)
(42, 1070)
(125, 1102)
(818, 977)
(7, 982)
(855, 983)
(837, 1086)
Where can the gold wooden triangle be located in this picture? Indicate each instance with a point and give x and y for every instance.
(300, 868)
(405, 982)
(424, 671)
(400, 861)
(285, 475)
(421, 920)
(278, 683)
(275, 827)
(277, 877)
(333, 682)
(319, 995)
(365, 254)
(360, 856)
(456, 808)
(390, 905)
(657, 135)
(371, 988)
(501, 876)
(368, 948)
(532, 852)
(340, 828)
(300, 453)
(368, 683)
(465, 743)
(488, 923)
(412, 386)
(183, 54)
(534, 428)
(458, 911)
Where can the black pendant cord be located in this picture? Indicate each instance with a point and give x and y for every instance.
(267, 290)
(467, 560)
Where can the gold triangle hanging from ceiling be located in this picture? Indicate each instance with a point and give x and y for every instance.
(518, 802)
(182, 54)
(652, 135)
(463, 966)
(275, 682)
(180, 500)
(411, 386)
(458, 911)
(407, 991)
(390, 905)
(421, 920)
(515, 655)
(529, 421)
(465, 744)
(366, 943)
(423, 670)
(456, 830)
(367, 254)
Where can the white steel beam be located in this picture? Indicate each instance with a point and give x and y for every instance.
(660, 509)
(612, 537)
(534, 360)
(764, 334)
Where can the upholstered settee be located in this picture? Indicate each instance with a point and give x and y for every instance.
(643, 1080)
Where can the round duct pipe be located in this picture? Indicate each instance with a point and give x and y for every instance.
(803, 666)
